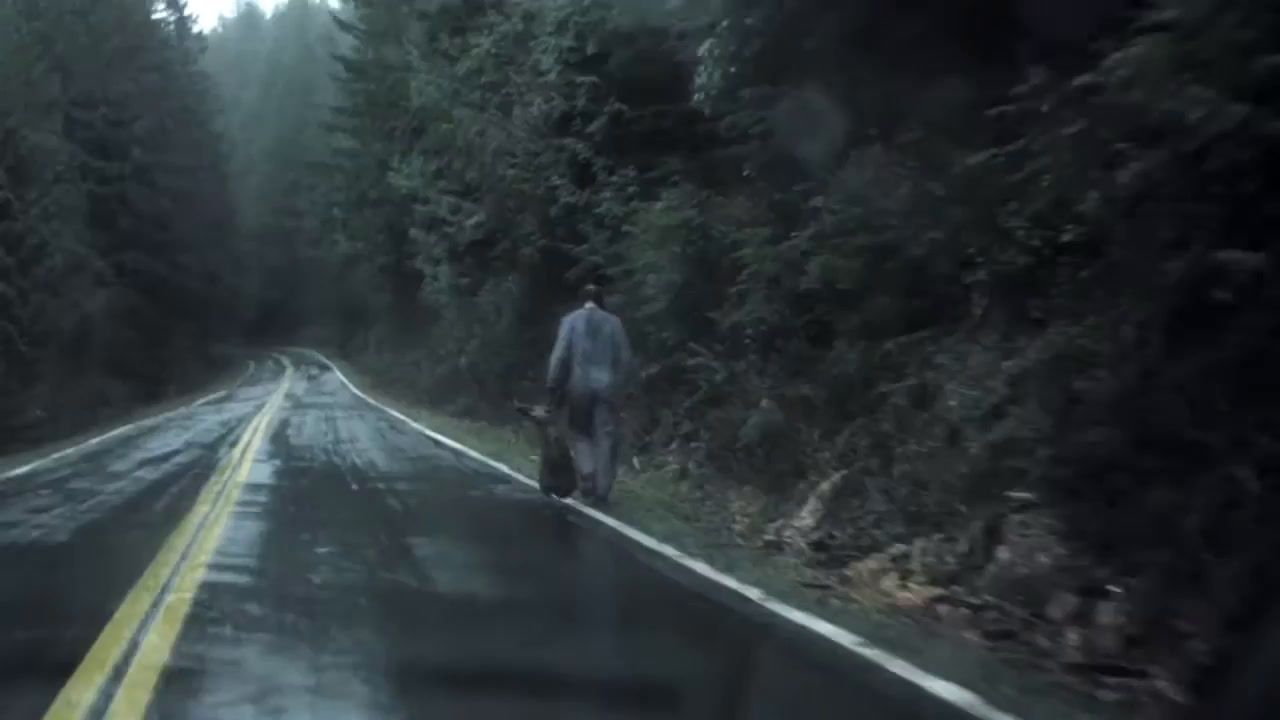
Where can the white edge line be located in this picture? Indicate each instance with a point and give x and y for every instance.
(940, 688)
(41, 462)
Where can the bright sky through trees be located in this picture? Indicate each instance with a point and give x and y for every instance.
(210, 10)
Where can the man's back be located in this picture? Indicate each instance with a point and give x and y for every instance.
(592, 352)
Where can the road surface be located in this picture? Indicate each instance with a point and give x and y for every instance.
(288, 550)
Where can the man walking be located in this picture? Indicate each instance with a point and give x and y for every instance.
(588, 369)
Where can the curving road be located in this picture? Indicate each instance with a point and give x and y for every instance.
(288, 550)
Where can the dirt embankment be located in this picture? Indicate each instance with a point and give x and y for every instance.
(1010, 582)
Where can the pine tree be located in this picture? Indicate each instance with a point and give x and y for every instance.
(115, 217)
(274, 78)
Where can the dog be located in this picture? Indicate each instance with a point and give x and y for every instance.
(557, 476)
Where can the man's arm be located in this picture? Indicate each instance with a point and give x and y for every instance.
(623, 346)
(558, 367)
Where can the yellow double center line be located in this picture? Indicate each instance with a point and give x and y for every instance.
(164, 593)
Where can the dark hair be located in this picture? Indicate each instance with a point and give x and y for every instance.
(592, 293)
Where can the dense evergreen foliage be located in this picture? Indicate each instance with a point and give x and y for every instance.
(114, 207)
(274, 76)
(956, 248)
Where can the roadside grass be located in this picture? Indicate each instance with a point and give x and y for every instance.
(697, 515)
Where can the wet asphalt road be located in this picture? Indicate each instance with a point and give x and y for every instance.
(339, 564)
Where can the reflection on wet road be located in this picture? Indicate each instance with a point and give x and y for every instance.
(289, 551)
